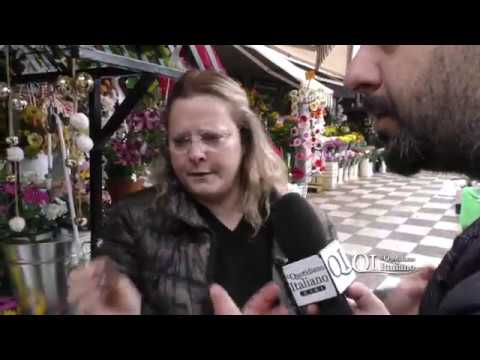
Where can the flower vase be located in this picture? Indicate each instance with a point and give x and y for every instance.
(364, 168)
(330, 176)
(346, 177)
(351, 174)
(340, 176)
(355, 171)
(383, 168)
(121, 187)
(370, 169)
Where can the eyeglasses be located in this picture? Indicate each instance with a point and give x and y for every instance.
(210, 140)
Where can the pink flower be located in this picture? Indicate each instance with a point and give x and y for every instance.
(297, 142)
(300, 156)
(294, 132)
(152, 120)
(35, 196)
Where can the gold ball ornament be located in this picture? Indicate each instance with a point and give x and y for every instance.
(64, 86)
(84, 83)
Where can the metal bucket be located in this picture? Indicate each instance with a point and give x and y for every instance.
(38, 267)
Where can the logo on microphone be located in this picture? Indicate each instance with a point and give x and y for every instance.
(319, 277)
(308, 278)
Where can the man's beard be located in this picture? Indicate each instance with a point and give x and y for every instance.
(404, 155)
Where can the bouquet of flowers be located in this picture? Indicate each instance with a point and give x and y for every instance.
(41, 209)
(334, 150)
(133, 148)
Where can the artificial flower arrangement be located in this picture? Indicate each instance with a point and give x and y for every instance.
(277, 126)
(33, 202)
(308, 110)
(334, 151)
(135, 145)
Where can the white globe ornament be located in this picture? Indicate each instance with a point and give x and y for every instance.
(84, 143)
(15, 154)
(4, 91)
(17, 224)
(79, 121)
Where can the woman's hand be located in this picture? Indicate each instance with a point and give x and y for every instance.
(99, 289)
(264, 302)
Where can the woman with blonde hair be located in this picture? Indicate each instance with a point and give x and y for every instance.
(205, 222)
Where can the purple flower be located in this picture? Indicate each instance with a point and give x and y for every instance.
(8, 188)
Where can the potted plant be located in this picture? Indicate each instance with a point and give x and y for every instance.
(131, 150)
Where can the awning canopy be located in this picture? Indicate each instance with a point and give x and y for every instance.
(262, 62)
(282, 62)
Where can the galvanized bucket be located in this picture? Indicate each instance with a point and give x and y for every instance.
(38, 267)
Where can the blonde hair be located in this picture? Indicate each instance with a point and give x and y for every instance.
(261, 171)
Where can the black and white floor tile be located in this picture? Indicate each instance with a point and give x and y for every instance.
(392, 215)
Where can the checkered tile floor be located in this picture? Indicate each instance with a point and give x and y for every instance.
(391, 215)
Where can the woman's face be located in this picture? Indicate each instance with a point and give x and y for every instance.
(205, 146)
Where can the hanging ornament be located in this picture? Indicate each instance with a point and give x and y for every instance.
(84, 83)
(4, 91)
(35, 140)
(15, 154)
(84, 143)
(81, 221)
(12, 140)
(71, 163)
(310, 75)
(17, 224)
(11, 178)
(79, 121)
(64, 86)
(19, 103)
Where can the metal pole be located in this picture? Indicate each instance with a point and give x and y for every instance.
(95, 115)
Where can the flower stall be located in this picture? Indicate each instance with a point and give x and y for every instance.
(308, 108)
(56, 119)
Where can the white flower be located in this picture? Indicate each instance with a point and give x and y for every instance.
(17, 224)
(31, 177)
(56, 210)
(79, 121)
(84, 143)
(15, 154)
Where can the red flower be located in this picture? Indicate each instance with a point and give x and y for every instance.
(320, 164)
(298, 174)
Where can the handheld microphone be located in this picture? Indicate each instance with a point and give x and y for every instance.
(317, 270)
